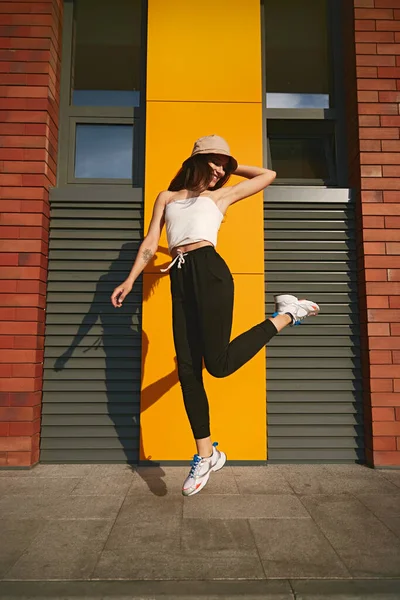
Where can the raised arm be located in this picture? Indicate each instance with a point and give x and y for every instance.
(146, 250)
(258, 179)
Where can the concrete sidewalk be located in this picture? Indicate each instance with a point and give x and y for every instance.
(93, 524)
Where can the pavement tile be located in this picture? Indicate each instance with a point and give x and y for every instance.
(382, 505)
(147, 590)
(62, 550)
(43, 470)
(261, 480)
(109, 485)
(169, 480)
(363, 543)
(393, 523)
(335, 479)
(392, 475)
(346, 590)
(16, 535)
(149, 509)
(46, 506)
(116, 564)
(295, 548)
(145, 537)
(37, 486)
(244, 506)
(217, 537)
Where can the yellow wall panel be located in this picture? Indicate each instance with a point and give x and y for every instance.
(204, 50)
(241, 238)
(237, 402)
(204, 77)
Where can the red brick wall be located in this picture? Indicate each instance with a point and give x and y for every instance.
(377, 36)
(30, 38)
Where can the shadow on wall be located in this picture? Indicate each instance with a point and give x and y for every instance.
(123, 343)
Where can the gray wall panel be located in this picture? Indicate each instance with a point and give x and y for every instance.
(314, 391)
(92, 370)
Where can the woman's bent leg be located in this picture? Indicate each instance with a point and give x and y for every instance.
(215, 293)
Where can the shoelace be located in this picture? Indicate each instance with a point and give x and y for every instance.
(194, 465)
(179, 257)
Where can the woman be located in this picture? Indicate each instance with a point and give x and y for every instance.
(202, 286)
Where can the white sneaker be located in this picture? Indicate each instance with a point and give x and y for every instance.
(298, 309)
(282, 301)
(201, 471)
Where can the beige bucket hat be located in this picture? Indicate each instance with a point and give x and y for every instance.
(214, 144)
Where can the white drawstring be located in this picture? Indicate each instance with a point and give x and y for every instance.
(179, 257)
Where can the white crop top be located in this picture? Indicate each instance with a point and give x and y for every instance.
(192, 220)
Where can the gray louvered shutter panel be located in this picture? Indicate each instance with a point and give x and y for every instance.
(314, 397)
(91, 400)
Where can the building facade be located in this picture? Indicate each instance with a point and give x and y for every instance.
(100, 103)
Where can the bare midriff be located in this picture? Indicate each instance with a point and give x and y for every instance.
(189, 247)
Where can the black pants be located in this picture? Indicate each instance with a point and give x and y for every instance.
(202, 304)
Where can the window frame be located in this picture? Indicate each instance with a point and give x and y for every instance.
(336, 114)
(70, 115)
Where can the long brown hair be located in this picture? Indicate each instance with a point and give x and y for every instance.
(196, 174)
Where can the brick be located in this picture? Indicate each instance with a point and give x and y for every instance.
(392, 222)
(365, 49)
(28, 341)
(395, 329)
(374, 36)
(375, 275)
(387, 25)
(17, 444)
(381, 385)
(387, 4)
(393, 248)
(380, 357)
(396, 385)
(25, 398)
(364, 3)
(374, 84)
(386, 459)
(377, 108)
(369, 121)
(373, 222)
(370, 196)
(377, 302)
(384, 371)
(386, 428)
(380, 158)
(382, 414)
(394, 274)
(393, 49)
(363, 73)
(366, 171)
(381, 209)
(385, 399)
(373, 13)
(369, 96)
(384, 316)
(375, 248)
(372, 146)
(19, 459)
(25, 429)
(382, 262)
(390, 196)
(388, 72)
(390, 120)
(379, 133)
(364, 25)
(20, 356)
(378, 329)
(394, 302)
(381, 183)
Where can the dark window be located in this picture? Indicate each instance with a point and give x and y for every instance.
(101, 92)
(300, 60)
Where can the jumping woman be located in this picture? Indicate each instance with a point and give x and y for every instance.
(202, 286)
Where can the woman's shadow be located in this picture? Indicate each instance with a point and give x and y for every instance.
(125, 347)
